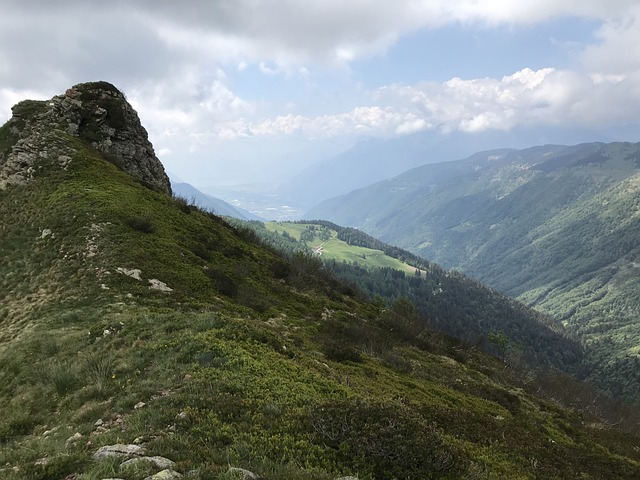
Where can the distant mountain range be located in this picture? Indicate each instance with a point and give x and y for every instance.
(211, 203)
(374, 160)
(555, 226)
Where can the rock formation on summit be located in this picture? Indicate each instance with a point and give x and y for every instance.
(97, 113)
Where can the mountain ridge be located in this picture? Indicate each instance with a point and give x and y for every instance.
(137, 324)
(209, 202)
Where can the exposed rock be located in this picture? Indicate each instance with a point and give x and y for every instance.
(182, 417)
(50, 432)
(165, 475)
(119, 450)
(97, 113)
(102, 425)
(139, 405)
(73, 439)
(158, 462)
(158, 285)
(130, 272)
(241, 473)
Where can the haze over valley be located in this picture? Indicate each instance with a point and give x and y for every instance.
(303, 103)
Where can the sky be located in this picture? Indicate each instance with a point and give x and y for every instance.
(242, 91)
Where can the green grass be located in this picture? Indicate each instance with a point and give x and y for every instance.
(333, 248)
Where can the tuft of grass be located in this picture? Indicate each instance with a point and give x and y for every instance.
(61, 377)
(98, 372)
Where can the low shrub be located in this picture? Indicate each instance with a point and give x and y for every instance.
(142, 223)
(384, 439)
(223, 282)
(17, 426)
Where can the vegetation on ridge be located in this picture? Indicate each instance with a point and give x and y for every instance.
(129, 316)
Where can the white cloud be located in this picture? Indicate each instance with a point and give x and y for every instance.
(148, 37)
(525, 98)
(188, 102)
(617, 50)
(360, 120)
(527, 12)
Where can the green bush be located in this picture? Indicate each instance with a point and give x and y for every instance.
(114, 160)
(201, 252)
(340, 351)
(142, 223)
(115, 113)
(306, 271)
(58, 467)
(17, 426)
(384, 439)
(223, 282)
(183, 204)
(28, 109)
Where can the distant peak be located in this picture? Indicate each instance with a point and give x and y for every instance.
(96, 112)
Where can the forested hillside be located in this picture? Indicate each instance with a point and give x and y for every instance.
(554, 226)
(449, 301)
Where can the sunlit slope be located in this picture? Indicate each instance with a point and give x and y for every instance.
(554, 226)
(324, 242)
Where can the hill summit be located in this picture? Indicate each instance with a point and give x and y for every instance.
(95, 112)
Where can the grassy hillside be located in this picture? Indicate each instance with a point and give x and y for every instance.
(554, 226)
(129, 317)
(324, 242)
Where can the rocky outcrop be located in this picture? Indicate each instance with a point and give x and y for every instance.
(97, 113)
(133, 457)
(119, 451)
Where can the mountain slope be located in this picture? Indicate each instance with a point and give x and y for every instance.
(451, 302)
(209, 202)
(554, 226)
(130, 318)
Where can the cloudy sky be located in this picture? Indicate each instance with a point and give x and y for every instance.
(238, 90)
